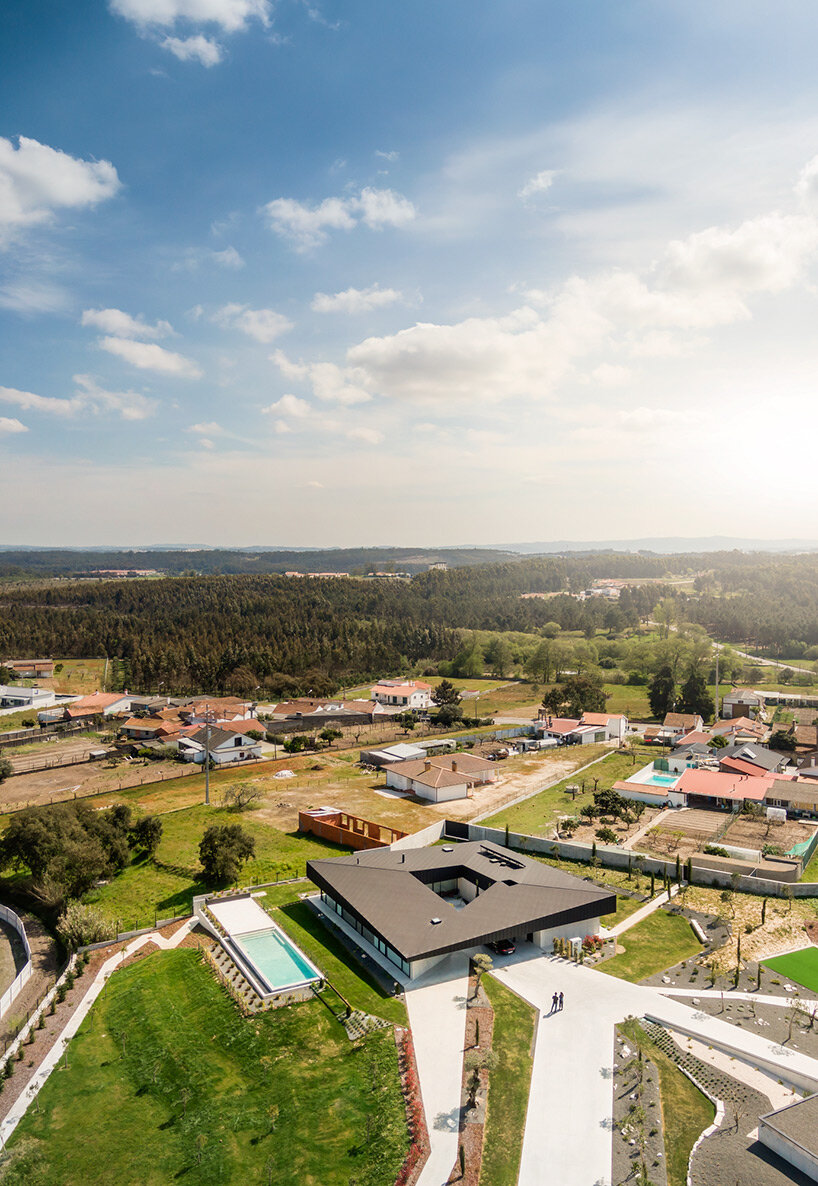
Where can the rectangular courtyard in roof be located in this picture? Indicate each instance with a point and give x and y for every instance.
(415, 906)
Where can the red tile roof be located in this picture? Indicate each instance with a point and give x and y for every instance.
(713, 784)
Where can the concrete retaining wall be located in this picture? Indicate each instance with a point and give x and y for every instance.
(24, 975)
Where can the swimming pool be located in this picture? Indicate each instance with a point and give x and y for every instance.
(661, 780)
(276, 961)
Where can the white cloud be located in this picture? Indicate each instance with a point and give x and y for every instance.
(648, 419)
(147, 356)
(608, 374)
(369, 436)
(194, 49)
(230, 15)
(537, 184)
(131, 405)
(262, 324)
(355, 300)
(329, 382)
(696, 284)
(36, 181)
(123, 325)
(31, 296)
(9, 425)
(387, 156)
(307, 226)
(228, 258)
(211, 429)
(206, 443)
(89, 397)
(30, 402)
(290, 405)
(282, 427)
(383, 207)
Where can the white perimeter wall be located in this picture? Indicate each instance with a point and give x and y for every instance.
(795, 1155)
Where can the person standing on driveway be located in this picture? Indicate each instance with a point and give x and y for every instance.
(560, 1000)
(555, 1002)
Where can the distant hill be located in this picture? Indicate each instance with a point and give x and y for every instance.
(48, 562)
(665, 545)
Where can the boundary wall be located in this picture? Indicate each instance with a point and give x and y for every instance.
(24, 975)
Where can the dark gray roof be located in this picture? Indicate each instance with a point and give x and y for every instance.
(757, 755)
(217, 736)
(387, 890)
(797, 1122)
(695, 747)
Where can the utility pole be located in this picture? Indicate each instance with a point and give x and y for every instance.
(208, 716)
(717, 680)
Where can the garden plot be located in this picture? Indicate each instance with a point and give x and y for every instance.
(689, 831)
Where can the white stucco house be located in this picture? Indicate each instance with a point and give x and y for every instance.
(399, 693)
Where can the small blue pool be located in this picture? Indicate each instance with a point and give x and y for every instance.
(661, 780)
(276, 961)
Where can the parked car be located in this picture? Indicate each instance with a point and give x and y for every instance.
(504, 946)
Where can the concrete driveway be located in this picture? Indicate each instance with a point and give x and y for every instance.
(568, 1134)
(436, 1004)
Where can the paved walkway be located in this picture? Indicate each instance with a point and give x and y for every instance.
(437, 1015)
(568, 1134)
(22, 1103)
(649, 826)
(650, 907)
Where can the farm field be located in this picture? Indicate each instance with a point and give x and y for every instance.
(179, 1085)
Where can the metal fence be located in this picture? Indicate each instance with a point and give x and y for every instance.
(24, 975)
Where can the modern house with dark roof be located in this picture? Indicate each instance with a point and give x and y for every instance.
(413, 907)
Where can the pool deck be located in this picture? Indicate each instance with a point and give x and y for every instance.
(241, 916)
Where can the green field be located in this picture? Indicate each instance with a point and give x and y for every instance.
(536, 816)
(800, 966)
(657, 942)
(166, 886)
(166, 1080)
(509, 1081)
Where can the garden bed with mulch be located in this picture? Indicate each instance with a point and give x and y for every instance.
(419, 1148)
(474, 1085)
(637, 1115)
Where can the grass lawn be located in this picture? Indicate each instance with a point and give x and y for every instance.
(800, 966)
(658, 942)
(168, 884)
(811, 871)
(167, 1080)
(508, 1087)
(341, 968)
(535, 816)
(686, 1113)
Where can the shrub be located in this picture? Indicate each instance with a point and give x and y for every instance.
(80, 924)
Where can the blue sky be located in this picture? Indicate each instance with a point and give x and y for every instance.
(315, 274)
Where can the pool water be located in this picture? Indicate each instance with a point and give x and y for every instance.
(278, 962)
(662, 780)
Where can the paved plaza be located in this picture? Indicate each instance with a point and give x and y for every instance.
(569, 1126)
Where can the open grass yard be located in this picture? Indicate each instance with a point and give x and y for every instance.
(686, 1113)
(167, 1080)
(509, 1082)
(334, 959)
(538, 814)
(657, 942)
(168, 884)
(800, 966)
